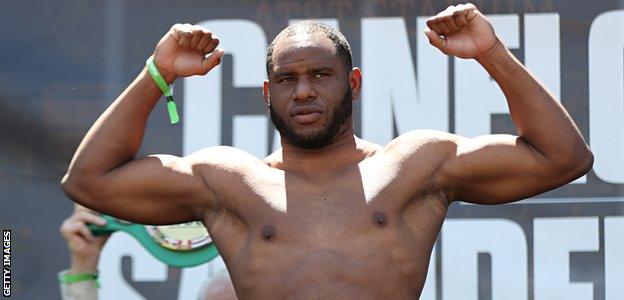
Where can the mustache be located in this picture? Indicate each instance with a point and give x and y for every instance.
(337, 117)
(305, 109)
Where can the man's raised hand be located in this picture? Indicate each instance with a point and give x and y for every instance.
(461, 31)
(182, 52)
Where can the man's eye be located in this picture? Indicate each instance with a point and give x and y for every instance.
(286, 79)
(320, 75)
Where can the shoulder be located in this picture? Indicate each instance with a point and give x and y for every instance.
(423, 140)
(419, 155)
(224, 158)
(224, 168)
(221, 154)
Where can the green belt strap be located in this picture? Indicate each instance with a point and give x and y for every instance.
(177, 259)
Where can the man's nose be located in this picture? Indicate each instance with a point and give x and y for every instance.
(304, 90)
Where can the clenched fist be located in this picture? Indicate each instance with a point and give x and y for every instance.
(182, 52)
(461, 31)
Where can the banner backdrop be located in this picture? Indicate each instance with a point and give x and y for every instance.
(63, 62)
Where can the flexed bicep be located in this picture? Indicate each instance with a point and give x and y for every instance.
(494, 169)
(159, 189)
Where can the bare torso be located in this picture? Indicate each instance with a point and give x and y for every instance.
(364, 230)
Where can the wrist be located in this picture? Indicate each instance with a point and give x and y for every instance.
(168, 76)
(65, 279)
(145, 78)
(81, 265)
(165, 87)
(494, 53)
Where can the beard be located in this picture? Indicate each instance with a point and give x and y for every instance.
(319, 138)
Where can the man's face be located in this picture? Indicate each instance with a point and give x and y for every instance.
(309, 93)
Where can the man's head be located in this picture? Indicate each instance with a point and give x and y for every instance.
(343, 49)
(311, 84)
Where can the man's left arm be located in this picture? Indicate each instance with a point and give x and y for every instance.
(549, 150)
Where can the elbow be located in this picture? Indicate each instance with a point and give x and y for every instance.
(578, 163)
(68, 185)
(75, 190)
(587, 162)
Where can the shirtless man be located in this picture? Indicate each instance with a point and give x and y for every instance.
(328, 216)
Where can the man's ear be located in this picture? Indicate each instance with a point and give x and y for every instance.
(355, 82)
(265, 92)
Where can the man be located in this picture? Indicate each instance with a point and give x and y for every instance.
(329, 215)
(85, 248)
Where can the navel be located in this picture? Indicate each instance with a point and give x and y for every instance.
(380, 219)
(268, 233)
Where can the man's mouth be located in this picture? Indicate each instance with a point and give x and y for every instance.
(306, 114)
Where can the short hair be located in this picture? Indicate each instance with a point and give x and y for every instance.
(343, 49)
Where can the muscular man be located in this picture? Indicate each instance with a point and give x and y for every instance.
(329, 215)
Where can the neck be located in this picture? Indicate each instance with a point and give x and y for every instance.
(344, 150)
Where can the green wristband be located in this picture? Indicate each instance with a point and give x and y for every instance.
(73, 278)
(173, 111)
(160, 82)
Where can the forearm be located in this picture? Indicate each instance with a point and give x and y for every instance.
(539, 118)
(115, 137)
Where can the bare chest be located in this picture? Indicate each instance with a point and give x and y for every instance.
(305, 204)
(286, 228)
(356, 202)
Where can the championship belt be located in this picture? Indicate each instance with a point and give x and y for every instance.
(180, 245)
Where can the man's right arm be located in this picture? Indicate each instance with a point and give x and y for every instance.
(160, 189)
